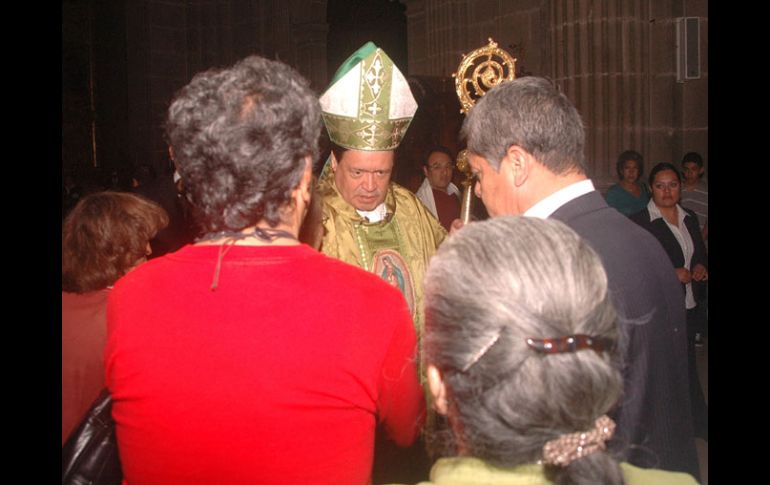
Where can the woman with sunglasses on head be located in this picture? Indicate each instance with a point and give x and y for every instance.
(677, 230)
(520, 350)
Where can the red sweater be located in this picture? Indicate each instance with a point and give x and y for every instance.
(277, 376)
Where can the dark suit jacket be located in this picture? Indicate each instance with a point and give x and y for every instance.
(654, 421)
(665, 237)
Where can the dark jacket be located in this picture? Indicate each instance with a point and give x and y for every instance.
(654, 422)
(665, 237)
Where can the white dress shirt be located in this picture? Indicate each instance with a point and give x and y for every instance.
(684, 239)
(547, 206)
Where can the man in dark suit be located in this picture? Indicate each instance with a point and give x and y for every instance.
(525, 143)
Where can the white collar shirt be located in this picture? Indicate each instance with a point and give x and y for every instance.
(375, 215)
(684, 239)
(547, 206)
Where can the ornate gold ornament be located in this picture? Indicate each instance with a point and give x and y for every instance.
(478, 72)
(467, 184)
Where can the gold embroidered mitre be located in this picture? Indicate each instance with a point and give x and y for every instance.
(368, 105)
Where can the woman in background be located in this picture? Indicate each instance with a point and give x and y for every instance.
(631, 194)
(105, 236)
(677, 230)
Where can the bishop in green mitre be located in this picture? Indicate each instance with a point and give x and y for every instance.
(368, 220)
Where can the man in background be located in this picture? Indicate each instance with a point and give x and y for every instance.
(437, 191)
(695, 191)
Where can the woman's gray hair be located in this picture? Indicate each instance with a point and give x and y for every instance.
(502, 281)
(240, 137)
(531, 113)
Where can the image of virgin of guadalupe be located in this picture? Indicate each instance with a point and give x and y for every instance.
(392, 275)
(389, 265)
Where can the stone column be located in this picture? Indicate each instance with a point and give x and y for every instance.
(599, 56)
(158, 64)
(679, 108)
(309, 29)
(310, 48)
(438, 35)
(416, 33)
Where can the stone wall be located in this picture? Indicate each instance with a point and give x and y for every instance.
(124, 60)
(171, 40)
(615, 59)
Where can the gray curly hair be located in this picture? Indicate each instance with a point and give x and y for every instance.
(240, 136)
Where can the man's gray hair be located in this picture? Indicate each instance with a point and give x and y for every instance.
(491, 286)
(531, 113)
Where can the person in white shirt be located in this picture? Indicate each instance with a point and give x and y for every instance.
(676, 228)
(437, 192)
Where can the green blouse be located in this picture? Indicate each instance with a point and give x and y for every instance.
(626, 202)
(472, 471)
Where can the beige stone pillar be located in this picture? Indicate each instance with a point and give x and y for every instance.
(310, 52)
(599, 56)
(308, 37)
(438, 35)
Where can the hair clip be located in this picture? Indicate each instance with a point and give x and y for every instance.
(479, 353)
(571, 343)
(567, 448)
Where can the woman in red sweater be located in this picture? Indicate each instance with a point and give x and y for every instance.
(249, 357)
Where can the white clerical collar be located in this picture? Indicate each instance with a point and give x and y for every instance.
(375, 215)
(547, 206)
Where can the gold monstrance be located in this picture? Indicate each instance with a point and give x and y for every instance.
(478, 72)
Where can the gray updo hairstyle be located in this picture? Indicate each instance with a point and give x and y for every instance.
(511, 278)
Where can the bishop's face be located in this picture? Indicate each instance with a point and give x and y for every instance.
(362, 177)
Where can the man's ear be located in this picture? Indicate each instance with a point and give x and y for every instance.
(425, 170)
(438, 390)
(518, 162)
(334, 161)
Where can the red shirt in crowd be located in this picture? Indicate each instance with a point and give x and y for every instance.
(447, 207)
(278, 376)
